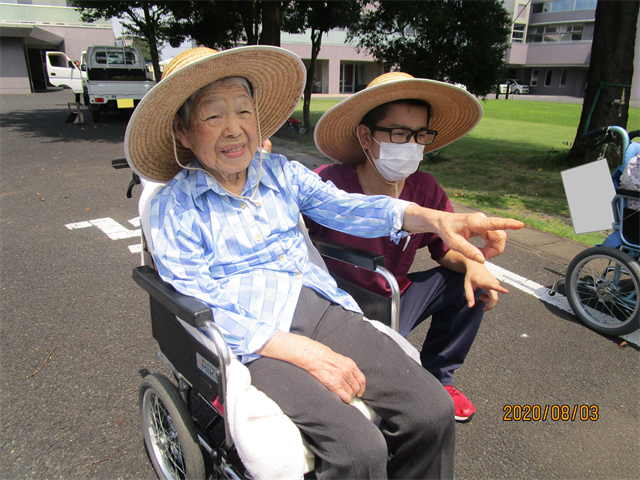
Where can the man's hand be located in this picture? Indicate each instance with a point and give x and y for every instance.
(455, 229)
(477, 276)
(338, 373)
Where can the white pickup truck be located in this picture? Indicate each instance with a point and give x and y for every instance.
(116, 78)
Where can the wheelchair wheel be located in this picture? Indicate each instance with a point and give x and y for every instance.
(603, 285)
(168, 431)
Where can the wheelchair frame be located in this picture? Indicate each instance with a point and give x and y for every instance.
(603, 282)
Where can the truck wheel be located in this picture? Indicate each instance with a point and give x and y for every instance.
(95, 113)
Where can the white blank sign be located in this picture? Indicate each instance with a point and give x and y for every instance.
(589, 191)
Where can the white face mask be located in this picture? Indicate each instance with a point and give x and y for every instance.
(398, 160)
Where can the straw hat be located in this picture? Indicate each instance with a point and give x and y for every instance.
(277, 76)
(454, 113)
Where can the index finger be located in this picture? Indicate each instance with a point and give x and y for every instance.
(498, 223)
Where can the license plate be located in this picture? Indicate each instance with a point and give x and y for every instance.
(125, 103)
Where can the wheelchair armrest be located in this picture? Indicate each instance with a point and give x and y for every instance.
(628, 193)
(348, 254)
(188, 309)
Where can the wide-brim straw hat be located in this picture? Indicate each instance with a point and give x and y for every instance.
(277, 76)
(454, 113)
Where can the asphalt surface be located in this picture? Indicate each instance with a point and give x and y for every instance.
(75, 331)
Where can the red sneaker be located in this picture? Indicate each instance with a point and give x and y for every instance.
(464, 408)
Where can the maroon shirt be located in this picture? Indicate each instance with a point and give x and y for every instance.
(420, 188)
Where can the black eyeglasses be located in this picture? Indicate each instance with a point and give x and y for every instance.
(403, 135)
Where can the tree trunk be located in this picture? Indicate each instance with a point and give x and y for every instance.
(270, 23)
(153, 45)
(316, 42)
(606, 100)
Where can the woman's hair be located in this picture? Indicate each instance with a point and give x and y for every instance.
(376, 115)
(185, 110)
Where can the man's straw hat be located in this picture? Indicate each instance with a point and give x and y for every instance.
(454, 113)
(277, 76)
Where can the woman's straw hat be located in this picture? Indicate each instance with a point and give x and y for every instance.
(454, 113)
(277, 76)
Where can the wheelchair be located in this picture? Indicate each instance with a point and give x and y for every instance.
(603, 282)
(185, 429)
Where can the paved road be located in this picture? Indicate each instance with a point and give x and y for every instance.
(68, 302)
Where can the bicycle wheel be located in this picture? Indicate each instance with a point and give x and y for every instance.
(602, 288)
(168, 431)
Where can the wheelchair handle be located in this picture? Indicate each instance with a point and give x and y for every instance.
(608, 131)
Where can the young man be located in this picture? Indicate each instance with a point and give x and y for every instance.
(379, 136)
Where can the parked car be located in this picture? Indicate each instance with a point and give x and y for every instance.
(516, 87)
(61, 72)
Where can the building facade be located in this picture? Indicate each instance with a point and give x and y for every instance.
(339, 67)
(550, 46)
(29, 28)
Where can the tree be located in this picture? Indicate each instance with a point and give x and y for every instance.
(139, 19)
(606, 100)
(143, 46)
(455, 41)
(319, 17)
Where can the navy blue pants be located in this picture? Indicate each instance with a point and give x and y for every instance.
(439, 293)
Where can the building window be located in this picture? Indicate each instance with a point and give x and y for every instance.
(563, 6)
(534, 77)
(518, 33)
(563, 77)
(556, 33)
(547, 78)
(571, 33)
(351, 77)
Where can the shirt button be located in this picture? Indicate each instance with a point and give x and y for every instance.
(243, 205)
(298, 275)
(258, 238)
(281, 257)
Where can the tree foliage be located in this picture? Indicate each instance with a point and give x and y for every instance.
(147, 20)
(455, 40)
(317, 17)
(610, 74)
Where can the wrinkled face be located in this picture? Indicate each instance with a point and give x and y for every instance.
(400, 115)
(222, 131)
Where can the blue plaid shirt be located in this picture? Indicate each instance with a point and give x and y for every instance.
(249, 262)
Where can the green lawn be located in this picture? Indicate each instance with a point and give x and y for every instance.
(509, 164)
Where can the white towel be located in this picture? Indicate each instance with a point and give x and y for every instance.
(268, 442)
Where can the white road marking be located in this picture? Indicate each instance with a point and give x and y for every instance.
(135, 221)
(137, 248)
(75, 226)
(542, 293)
(113, 229)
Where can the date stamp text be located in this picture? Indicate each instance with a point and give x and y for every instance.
(563, 413)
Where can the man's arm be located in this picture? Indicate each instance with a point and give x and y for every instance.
(338, 373)
(455, 229)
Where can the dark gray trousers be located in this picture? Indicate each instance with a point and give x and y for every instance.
(416, 437)
(439, 293)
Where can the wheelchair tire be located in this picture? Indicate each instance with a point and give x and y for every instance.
(168, 431)
(603, 286)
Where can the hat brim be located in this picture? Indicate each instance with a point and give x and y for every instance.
(454, 113)
(277, 75)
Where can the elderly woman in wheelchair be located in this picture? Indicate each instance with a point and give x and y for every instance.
(224, 233)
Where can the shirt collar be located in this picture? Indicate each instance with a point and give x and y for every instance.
(200, 182)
